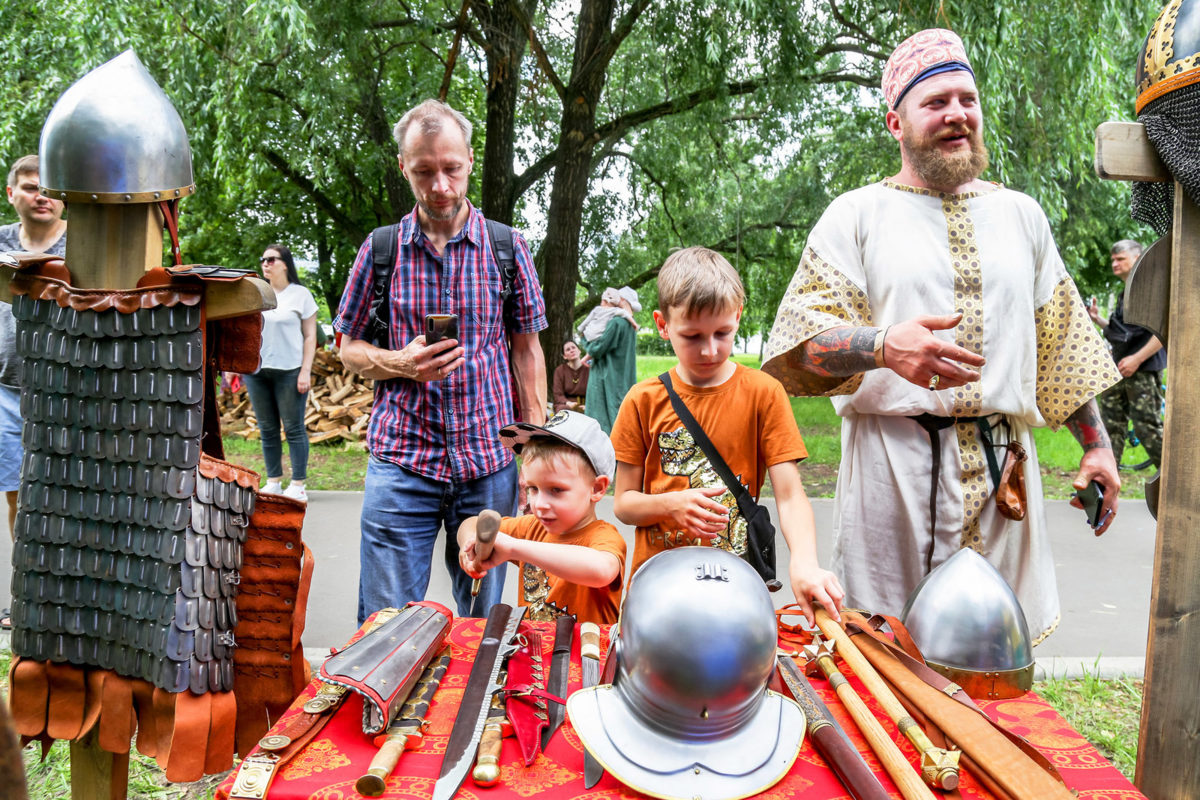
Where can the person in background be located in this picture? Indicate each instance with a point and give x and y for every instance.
(570, 380)
(614, 360)
(279, 390)
(1140, 359)
(40, 229)
(435, 452)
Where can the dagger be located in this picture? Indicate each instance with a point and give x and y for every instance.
(828, 738)
(495, 646)
(589, 649)
(560, 667)
(406, 730)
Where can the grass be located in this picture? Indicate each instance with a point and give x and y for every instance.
(1105, 712)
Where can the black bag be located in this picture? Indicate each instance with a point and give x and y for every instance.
(760, 533)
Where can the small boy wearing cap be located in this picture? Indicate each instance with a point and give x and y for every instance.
(665, 485)
(570, 561)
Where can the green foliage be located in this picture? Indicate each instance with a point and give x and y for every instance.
(730, 125)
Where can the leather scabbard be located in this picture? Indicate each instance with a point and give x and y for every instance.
(384, 665)
(525, 708)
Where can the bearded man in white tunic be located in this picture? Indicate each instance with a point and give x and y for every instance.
(925, 305)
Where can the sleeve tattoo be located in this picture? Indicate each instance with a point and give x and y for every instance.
(840, 352)
(1087, 426)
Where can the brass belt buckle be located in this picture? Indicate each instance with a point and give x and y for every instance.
(254, 776)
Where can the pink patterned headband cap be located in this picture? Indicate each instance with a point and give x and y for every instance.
(920, 56)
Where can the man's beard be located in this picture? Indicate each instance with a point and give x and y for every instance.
(441, 216)
(939, 170)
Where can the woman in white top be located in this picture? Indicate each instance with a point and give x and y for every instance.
(279, 390)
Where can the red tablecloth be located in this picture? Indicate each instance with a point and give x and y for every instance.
(334, 760)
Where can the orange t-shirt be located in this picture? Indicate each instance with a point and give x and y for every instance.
(548, 596)
(748, 419)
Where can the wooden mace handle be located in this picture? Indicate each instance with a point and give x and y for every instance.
(487, 525)
(906, 779)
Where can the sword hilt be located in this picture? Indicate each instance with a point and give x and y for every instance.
(487, 525)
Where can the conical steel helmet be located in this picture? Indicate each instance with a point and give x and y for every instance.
(114, 137)
(970, 627)
(689, 714)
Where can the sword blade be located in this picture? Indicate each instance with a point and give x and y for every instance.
(560, 669)
(589, 638)
(482, 683)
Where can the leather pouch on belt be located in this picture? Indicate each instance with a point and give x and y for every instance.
(384, 665)
(1010, 494)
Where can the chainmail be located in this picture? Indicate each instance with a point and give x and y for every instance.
(1173, 125)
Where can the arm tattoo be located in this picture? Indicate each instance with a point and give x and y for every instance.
(840, 352)
(1087, 426)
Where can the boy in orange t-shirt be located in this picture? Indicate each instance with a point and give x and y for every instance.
(665, 484)
(570, 561)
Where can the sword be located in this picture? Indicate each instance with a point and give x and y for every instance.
(487, 760)
(828, 738)
(496, 645)
(406, 730)
(589, 649)
(560, 668)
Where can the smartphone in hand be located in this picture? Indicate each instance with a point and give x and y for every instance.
(1092, 498)
(440, 326)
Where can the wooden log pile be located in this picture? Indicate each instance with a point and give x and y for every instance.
(339, 405)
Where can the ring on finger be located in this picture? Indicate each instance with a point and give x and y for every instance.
(933, 381)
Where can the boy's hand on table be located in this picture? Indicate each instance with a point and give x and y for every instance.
(812, 583)
(695, 512)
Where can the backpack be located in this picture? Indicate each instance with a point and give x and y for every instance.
(384, 265)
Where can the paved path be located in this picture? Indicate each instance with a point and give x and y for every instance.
(1104, 583)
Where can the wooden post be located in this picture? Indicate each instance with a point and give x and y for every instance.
(1168, 762)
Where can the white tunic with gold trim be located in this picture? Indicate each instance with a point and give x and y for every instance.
(883, 254)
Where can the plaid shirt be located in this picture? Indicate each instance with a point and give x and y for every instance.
(447, 430)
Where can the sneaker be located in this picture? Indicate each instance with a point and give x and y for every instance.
(296, 492)
(272, 487)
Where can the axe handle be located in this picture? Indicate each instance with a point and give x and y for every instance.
(943, 775)
(487, 525)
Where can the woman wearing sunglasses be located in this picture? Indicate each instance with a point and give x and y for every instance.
(279, 390)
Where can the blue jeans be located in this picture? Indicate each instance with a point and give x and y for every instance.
(402, 515)
(274, 397)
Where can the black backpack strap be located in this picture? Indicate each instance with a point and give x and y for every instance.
(746, 503)
(504, 254)
(385, 246)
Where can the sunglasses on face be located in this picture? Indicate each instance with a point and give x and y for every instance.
(269, 259)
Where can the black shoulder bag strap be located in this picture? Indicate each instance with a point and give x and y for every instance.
(759, 554)
(385, 246)
(503, 252)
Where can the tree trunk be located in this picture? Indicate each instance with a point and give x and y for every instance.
(507, 40)
(559, 256)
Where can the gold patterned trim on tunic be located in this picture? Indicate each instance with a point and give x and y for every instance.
(943, 196)
(819, 298)
(974, 483)
(968, 295)
(1074, 365)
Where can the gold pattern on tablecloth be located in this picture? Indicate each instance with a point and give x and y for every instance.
(321, 755)
(1074, 364)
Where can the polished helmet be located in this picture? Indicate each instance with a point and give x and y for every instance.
(689, 714)
(969, 626)
(114, 137)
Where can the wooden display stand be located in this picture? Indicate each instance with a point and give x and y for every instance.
(1168, 762)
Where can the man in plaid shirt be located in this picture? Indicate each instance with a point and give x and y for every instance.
(435, 452)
